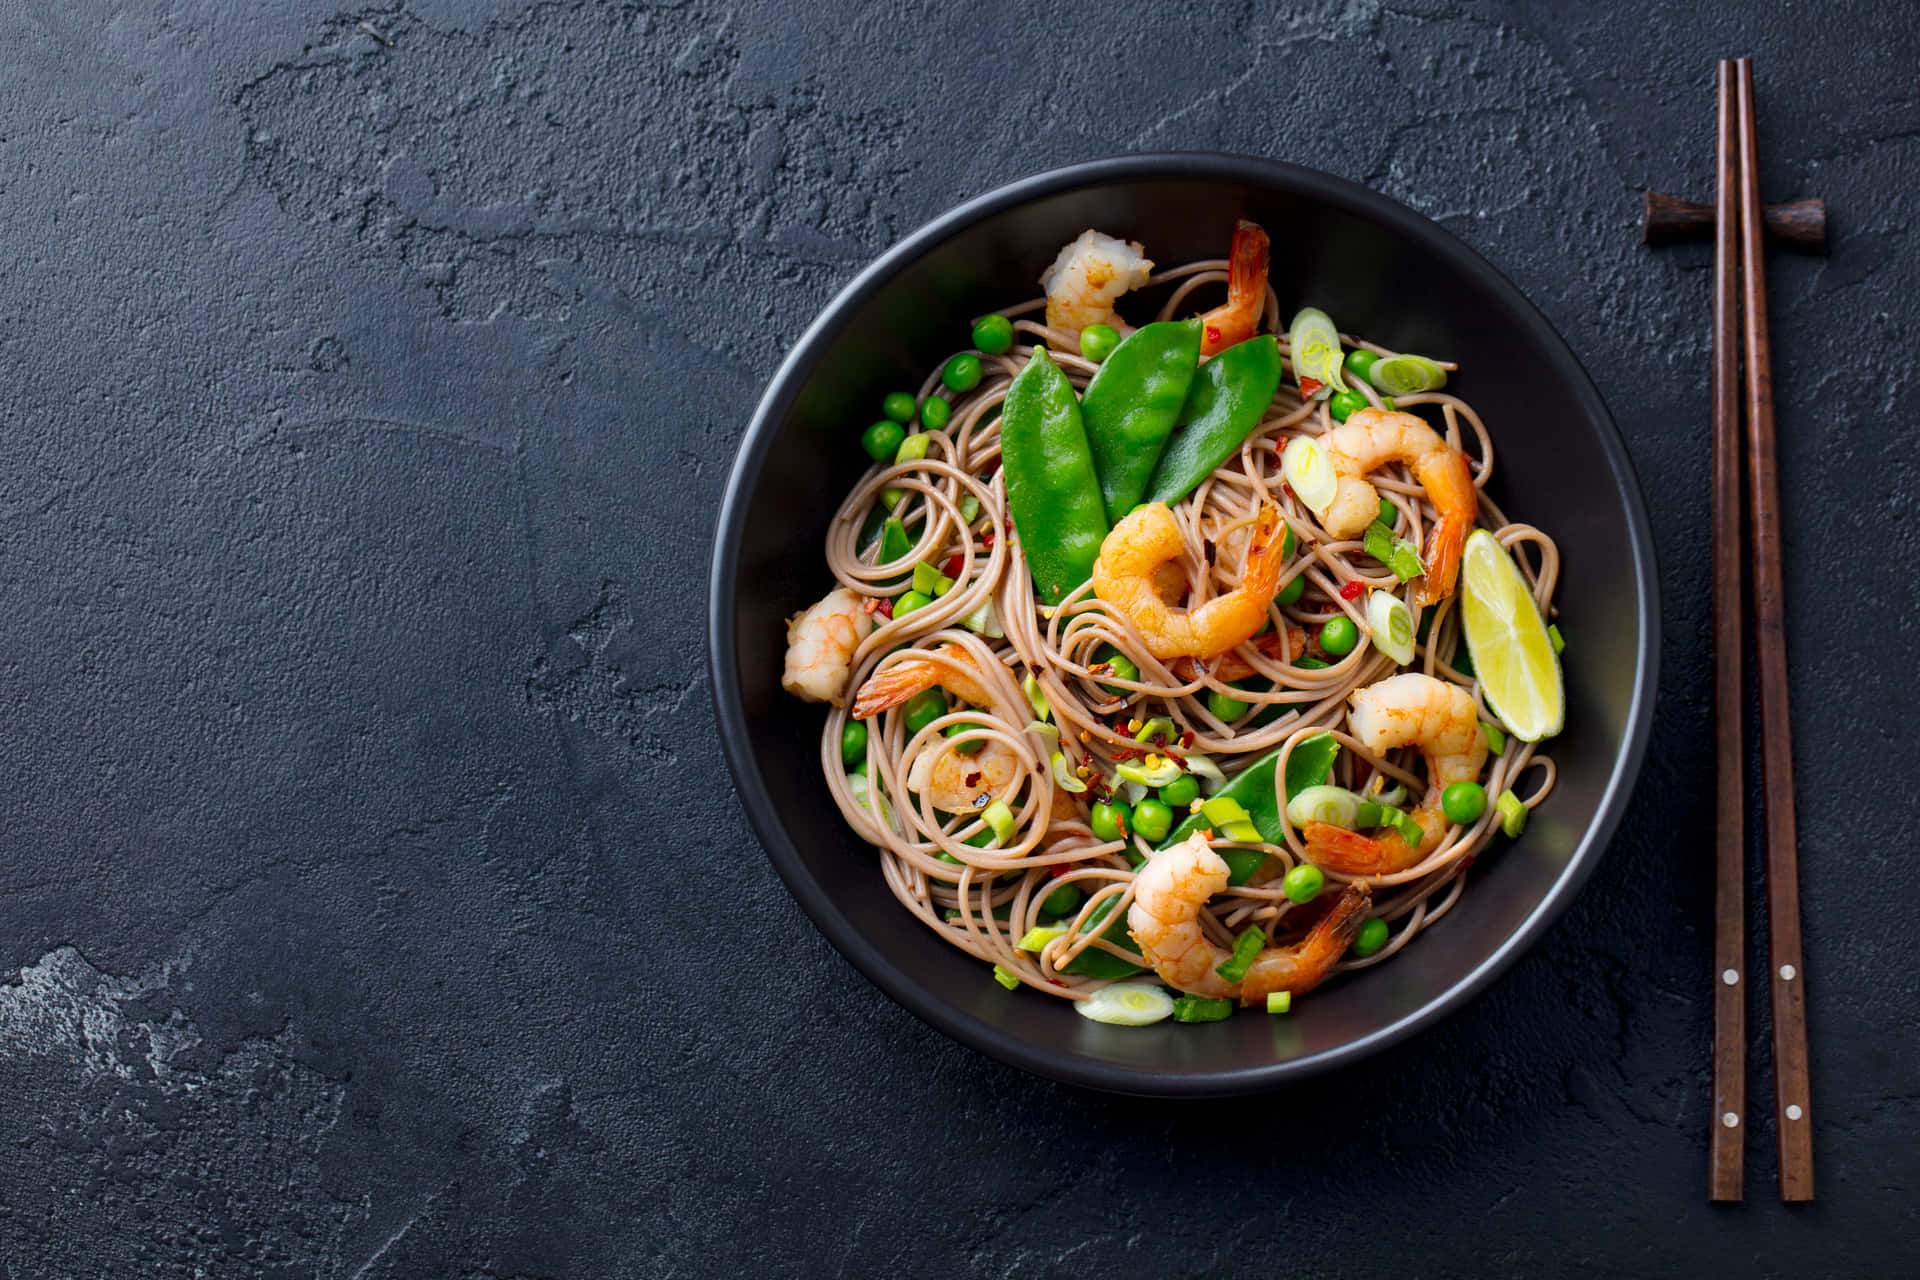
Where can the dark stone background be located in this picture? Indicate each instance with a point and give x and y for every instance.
(377, 901)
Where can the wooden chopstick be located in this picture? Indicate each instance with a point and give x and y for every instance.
(1727, 1144)
(1787, 977)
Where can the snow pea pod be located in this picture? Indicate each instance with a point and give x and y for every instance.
(1052, 488)
(1230, 395)
(1132, 403)
(1252, 787)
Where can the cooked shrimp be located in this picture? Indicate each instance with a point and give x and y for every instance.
(1087, 277)
(1236, 319)
(1371, 439)
(1409, 709)
(1231, 666)
(950, 666)
(820, 645)
(1164, 920)
(960, 783)
(1146, 538)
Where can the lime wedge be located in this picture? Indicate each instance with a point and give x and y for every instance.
(1519, 672)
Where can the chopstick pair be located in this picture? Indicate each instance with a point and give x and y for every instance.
(1740, 319)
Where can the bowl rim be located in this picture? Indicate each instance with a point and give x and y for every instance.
(730, 712)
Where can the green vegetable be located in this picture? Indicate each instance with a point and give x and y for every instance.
(1225, 708)
(1252, 788)
(969, 508)
(1464, 802)
(1110, 820)
(1372, 937)
(929, 581)
(1361, 361)
(1095, 963)
(1036, 697)
(1097, 341)
(1309, 664)
(962, 373)
(1005, 978)
(1062, 901)
(1344, 404)
(1303, 883)
(881, 439)
(890, 497)
(1513, 814)
(1335, 806)
(853, 741)
(912, 600)
(1152, 819)
(1126, 1004)
(993, 334)
(1159, 727)
(1230, 818)
(1405, 560)
(1122, 669)
(1406, 375)
(1315, 345)
(935, 413)
(1131, 405)
(1377, 541)
(898, 406)
(1036, 940)
(923, 709)
(1200, 1008)
(1553, 635)
(1279, 1002)
(1295, 588)
(894, 542)
(1338, 635)
(1156, 771)
(1246, 949)
(969, 746)
(1230, 395)
(911, 449)
(1178, 794)
(1389, 514)
(1000, 818)
(1052, 488)
(1390, 623)
(1496, 740)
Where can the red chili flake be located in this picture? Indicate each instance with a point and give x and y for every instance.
(1308, 386)
(885, 606)
(1057, 982)
(1186, 739)
(1287, 489)
(955, 563)
(1059, 869)
(973, 779)
(987, 538)
(1123, 754)
(1352, 590)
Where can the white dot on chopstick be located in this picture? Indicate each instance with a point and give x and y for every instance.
(1794, 1113)
(1786, 973)
(1730, 977)
(1730, 1120)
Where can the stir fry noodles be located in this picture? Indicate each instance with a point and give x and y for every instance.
(1182, 665)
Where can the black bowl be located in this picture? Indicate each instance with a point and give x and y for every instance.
(1379, 269)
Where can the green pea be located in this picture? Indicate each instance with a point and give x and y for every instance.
(910, 601)
(1110, 820)
(1372, 937)
(1182, 791)
(924, 709)
(1361, 362)
(1226, 708)
(1123, 668)
(962, 373)
(1097, 342)
(934, 413)
(993, 334)
(1303, 883)
(1344, 404)
(1286, 544)
(1295, 588)
(1152, 819)
(1337, 636)
(853, 741)
(898, 406)
(1062, 901)
(881, 439)
(1389, 514)
(1464, 802)
(971, 745)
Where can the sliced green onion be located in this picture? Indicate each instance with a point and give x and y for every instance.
(1368, 817)
(1496, 740)
(1246, 949)
(1230, 818)
(1559, 644)
(1154, 771)
(863, 796)
(1402, 822)
(1406, 375)
(985, 621)
(891, 497)
(1126, 1004)
(1063, 775)
(1201, 1009)
(1030, 685)
(1391, 624)
(1036, 939)
(1394, 795)
(969, 508)
(1513, 814)
(894, 542)
(1404, 559)
(912, 449)
(1335, 806)
(1005, 979)
(1307, 470)
(929, 581)
(1315, 347)
(1000, 818)
(1203, 768)
(1279, 1002)
(1378, 541)
(1168, 731)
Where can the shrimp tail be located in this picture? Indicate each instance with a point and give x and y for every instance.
(1340, 926)
(1246, 291)
(1351, 854)
(1444, 547)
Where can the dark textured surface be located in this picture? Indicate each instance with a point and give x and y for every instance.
(371, 377)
